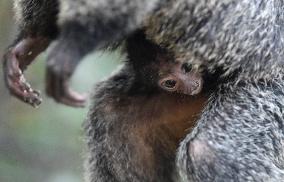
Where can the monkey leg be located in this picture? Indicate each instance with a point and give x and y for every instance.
(16, 60)
(239, 137)
(58, 74)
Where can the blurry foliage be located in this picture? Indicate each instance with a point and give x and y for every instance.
(44, 144)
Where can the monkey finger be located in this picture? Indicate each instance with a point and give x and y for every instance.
(16, 82)
(57, 87)
(74, 99)
(63, 94)
(22, 91)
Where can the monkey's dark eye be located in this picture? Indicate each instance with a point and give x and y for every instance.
(186, 67)
(169, 84)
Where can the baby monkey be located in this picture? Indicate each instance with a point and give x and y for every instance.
(140, 115)
(170, 76)
(179, 78)
(156, 69)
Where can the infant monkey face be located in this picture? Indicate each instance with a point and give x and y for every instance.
(182, 78)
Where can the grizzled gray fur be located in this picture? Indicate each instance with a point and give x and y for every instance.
(239, 136)
(97, 24)
(233, 34)
(240, 133)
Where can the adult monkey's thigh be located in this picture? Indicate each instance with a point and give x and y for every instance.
(240, 136)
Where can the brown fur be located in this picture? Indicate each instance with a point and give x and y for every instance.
(161, 120)
(137, 123)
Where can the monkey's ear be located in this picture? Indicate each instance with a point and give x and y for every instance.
(169, 83)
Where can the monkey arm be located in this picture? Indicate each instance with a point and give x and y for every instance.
(37, 24)
(97, 24)
(58, 74)
(36, 21)
(100, 24)
(16, 60)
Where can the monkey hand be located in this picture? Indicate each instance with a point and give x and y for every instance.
(16, 82)
(15, 61)
(58, 76)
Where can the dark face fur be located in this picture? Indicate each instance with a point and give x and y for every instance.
(156, 67)
(180, 78)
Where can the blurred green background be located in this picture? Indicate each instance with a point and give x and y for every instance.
(44, 144)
